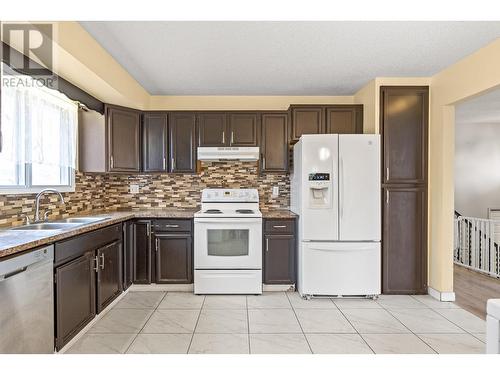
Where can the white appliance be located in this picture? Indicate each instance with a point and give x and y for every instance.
(228, 153)
(228, 242)
(336, 193)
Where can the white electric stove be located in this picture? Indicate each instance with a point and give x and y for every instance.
(228, 242)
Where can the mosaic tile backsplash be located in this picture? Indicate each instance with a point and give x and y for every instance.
(111, 191)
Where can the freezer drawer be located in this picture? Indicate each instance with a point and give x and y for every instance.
(339, 268)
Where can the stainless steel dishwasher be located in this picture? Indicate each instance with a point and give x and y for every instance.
(27, 302)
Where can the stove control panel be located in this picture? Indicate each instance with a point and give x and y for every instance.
(230, 195)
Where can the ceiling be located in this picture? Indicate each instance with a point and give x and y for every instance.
(283, 58)
(484, 109)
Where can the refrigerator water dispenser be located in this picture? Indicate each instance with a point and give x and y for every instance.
(320, 187)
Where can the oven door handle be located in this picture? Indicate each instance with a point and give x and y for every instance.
(226, 221)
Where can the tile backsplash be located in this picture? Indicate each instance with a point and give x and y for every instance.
(112, 191)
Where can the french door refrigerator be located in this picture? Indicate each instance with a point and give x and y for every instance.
(336, 193)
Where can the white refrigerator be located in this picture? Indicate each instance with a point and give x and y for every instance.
(336, 193)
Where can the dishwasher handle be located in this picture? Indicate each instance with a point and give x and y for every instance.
(21, 263)
(13, 273)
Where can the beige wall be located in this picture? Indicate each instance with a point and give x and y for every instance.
(241, 102)
(367, 96)
(469, 77)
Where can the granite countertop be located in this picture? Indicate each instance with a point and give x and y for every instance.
(278, 214)
(16, 241)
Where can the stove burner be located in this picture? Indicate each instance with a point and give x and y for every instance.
(244, 211)
(213, 211)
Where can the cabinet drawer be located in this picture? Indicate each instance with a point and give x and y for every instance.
(170, 225)
(279, 226)
(74, 247)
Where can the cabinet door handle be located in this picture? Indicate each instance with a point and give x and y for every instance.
(164, 163)
(102, 261)
(173, 163)
(111, 162)
(387, 196)
(387, 173)
(172, 226)
(148, 229)
(157, 244)
(267, 244)
(223, 137)
(263, 163)
(232, 137)
(96, 266)
(279, 226)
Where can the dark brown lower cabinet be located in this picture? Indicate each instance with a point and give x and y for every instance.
(142, 251)
(162, 251)
(173, 258)
(279, 259)
(75, 297)
(109, 274)
(404, 238)
(279, 251)
(128, 254)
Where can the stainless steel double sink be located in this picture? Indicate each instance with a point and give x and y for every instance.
(62, 224)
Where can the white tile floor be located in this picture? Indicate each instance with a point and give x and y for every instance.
(278, 322)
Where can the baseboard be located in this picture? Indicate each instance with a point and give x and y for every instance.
(190, 287)
(441, 296)
(278, 287)
(91, 323)
(162, 288)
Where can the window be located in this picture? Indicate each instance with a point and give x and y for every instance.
(38, 140)
(228, 242)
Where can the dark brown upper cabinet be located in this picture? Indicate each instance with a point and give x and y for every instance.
(123, 139)
(404, 123)
(274, 145)
(307, 120)
(331, 119)
(75, 297)
(344, 119)
(173, 258)
(182, 142)
(404, 240)
(154, 142)
(212, 129)
(243, 129)
(109, 274)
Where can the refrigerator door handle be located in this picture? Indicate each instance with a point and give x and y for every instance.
(341, 187)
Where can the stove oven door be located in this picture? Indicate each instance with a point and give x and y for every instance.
(227, 243)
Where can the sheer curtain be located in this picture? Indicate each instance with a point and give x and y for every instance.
(52, 147)
(39, 128)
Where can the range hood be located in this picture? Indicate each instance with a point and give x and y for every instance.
(228, 153)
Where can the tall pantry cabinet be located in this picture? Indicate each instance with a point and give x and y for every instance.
(404, 126)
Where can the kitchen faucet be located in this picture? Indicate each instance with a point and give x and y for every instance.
(37, 203)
